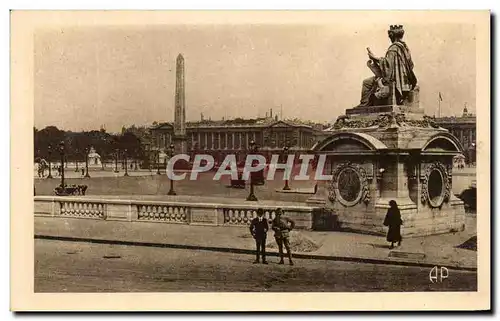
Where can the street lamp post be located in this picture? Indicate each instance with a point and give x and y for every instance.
(158, 162)
(285, 152)
(87, 163)
(126, 167)
(171, 191)
(251, 196)
(76, 160)
(116, 160)
(148, 157)
(61, 150)
(49, 149)
(472, 154)
(103, 162)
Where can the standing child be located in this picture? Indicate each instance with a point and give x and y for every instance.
(282, 227)
(258, 229)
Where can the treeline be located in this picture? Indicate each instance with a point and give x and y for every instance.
(131, 139)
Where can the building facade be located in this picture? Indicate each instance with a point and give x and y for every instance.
(464, 129)
(220, 138)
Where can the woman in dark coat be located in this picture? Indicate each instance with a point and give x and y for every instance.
(394, 222)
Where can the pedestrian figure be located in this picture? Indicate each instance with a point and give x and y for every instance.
(394, 222)
(83, 172)
(282, 227)
(258, 229)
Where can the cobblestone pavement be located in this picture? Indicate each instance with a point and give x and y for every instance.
(84, 267)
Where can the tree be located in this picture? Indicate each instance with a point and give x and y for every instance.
(102, 143)
(133, 139)
(132, 143)
(143, 138)
(49, 135)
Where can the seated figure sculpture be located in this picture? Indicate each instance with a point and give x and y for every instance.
(395, 70)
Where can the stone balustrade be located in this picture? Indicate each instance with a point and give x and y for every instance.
(166, 211)
(243, 216)
(162, 213)
(82, 209)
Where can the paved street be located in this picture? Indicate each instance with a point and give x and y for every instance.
(85, 267)
(443, 250)
(160, 184)
(98, 172)
(145, 183)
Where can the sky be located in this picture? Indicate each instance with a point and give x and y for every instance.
(117, 76)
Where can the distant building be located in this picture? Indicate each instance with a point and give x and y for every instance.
(464, 128)
(219, 138)
(223, 137)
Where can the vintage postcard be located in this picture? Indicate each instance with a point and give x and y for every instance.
(284, 161)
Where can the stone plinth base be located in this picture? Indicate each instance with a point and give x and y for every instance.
(320, 197)
(375, 110)
(416, 222)
(302, 191)
(380, 153)
(180, 143)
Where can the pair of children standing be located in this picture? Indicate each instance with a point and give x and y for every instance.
(281, 227)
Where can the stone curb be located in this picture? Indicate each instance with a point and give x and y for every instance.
(245, 251)
(304, 191)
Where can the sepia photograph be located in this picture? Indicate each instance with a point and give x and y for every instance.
(243, 153)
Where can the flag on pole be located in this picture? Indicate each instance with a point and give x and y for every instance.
(440, 97)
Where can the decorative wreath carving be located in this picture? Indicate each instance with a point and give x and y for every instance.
(391, 120)
(427, 121)
(446, 187)
(346, 122)
(335, 192)
(384, 121)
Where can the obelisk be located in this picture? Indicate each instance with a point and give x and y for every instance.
(180, 108)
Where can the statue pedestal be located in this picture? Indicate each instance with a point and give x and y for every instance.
(375, 157)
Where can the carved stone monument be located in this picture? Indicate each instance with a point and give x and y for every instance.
(180, 109)
(378, 153)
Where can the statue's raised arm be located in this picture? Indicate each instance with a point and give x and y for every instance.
(371, 55)
(395, 69)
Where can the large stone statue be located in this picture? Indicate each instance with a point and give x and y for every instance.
(395, 69)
